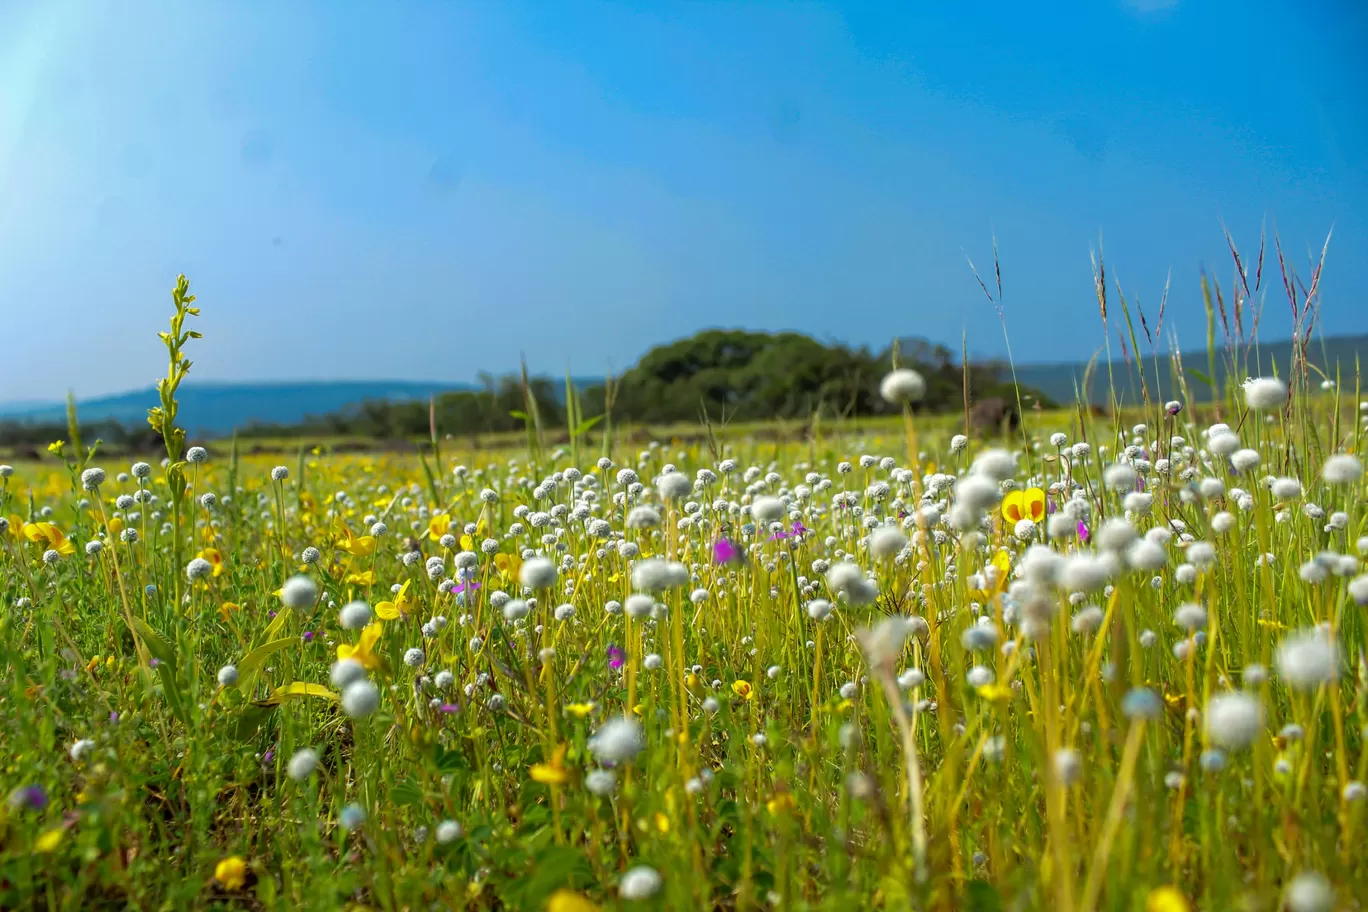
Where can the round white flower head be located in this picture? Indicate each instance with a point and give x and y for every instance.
(997, 464)
(303, 764)
(280, 473)
(346, 671)
(197, 454)
(351, 817)
(657, 574)
(883, 642)
(140, 470)
(448, 831)
(674, 486)
(767, 510)
(643, 517)
(1265, 393)
(537, 573)
(1233, 720)
(886, 541)
(360, 698)
(1308, 659)
(227, 675)
(618, 741)
(92, 478)
(299, 593)
(1342, 468)
(79, 749)
(1068, 765)
(640, 882)
(1309, 891)
(600, 782)
(902, 385)
(354, 615)
(198, 569)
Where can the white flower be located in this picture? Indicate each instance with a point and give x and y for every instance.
(674, 486)
(448, 831)
(657, 574)
(1358, 589)
(299, 593)
(1308, 659)
(768, 509)
(1068, 765)
(227, 676)
(1265, 393)
(1309, 892)
(1233, 720)
(640, 882)
(79, 749)
(886, 541)
(303, 764)
(997, 464)
(643, 517)
(902, 385)
(198, 569)
(537, 573)
(351, 817)
(617, 741)
(345, 671)
(360, 698)
(354, 615)
(600, 782)
(1343, 468)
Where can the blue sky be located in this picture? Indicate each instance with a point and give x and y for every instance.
(423, 191)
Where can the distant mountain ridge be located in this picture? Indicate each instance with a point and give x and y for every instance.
(212, 408)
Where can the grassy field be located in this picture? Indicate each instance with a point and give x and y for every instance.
(1091, 665)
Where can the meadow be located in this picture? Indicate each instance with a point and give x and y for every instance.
(1100, 661)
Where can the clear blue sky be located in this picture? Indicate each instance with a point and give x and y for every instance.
(398, 190)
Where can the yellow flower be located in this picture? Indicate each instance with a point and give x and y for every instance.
(48, 841)
(363, 651)
(553, 773)
(227, 608)
(995, 693)
(1001, 566)
(356, 546)
(580, 709)
(662, 822)
(507, 565)
(1166, 899)
(114, 526)
(438, 526)
(364, 578)
(16, 526)
(397, 609)
(569, 901)
(48, 535)
(56, 447)
(215, 557)
(743, 690)
(231, 872)
(1027, 504)
(780, 803)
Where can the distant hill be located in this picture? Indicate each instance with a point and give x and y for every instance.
(1059, 381)
(211, 409)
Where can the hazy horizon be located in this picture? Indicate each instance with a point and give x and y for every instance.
(424, 192)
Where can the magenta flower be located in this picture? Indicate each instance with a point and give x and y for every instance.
(1083, 532)
(724, 552)
(616, 657)
(449, 708)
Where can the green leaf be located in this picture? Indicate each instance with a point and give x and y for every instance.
(407, 792)
(1200, 376)
(587, 425)
(251, 718)
(252, 662)
(159, 646)
(298, 689)
(171, 688)
(981, 896)
(449, 761)
(520, 415)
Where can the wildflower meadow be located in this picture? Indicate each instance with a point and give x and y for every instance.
(1100, 659)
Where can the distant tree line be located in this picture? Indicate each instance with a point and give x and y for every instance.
(723, 375)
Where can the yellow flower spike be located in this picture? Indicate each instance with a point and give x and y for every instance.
(363, 651)
(553, 773)
(397, 609)
(48, 841)
(56, 447)
(114, 526)
(569, 901)
(1014, 506)
(580, 710)
(1166, 899)
(662, 823)
(1034, 502)
(231, 872)
(743, 689)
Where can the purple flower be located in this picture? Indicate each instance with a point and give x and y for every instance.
(308, 636)
(1083, 532)
(268, 756)
(724, 552)
(799, 530)
(449, 708)
(616, 657)
(32, 797)
(155, 662)
(113, 717)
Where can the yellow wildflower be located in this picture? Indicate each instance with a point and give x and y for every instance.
(48, 841)
(995, 576)
(231, 872)
(56, 447)
(580, 709)
(438, 526)
(215, 557)
(996, 693)
(397, 609)
(51, 537)
(743, 690)
(569, 901)
(363, 651)
(553, 773)
(364, 578)
(1166, 899)
(1027, 504)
